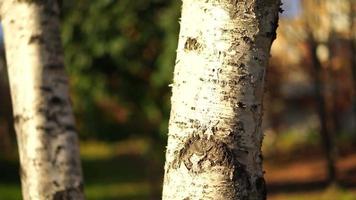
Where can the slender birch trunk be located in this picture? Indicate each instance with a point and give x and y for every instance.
(47, 140)
(215, 136)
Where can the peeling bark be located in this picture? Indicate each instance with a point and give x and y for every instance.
(44, 123)
(215, 136)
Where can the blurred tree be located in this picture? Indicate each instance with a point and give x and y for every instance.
(215, 131)
(329, 26)
(319, 37)
(352, 33)
(326, 131)
(119, 55)
(47, 140)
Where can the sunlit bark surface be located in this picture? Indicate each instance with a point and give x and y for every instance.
(215, 136)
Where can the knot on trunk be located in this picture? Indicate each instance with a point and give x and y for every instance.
(202, 153)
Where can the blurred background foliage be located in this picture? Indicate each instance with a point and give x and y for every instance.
(120, 57)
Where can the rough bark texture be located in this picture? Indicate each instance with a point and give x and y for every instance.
(47, 140)
(215, 136)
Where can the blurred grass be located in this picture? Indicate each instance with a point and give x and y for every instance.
(331, 193)
(119, 170)
(103, 150)
(10, 191)
(128, 191)
(112, 171)
(289, 141)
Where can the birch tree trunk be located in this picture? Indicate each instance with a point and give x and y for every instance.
(215, 136)
(47, 140)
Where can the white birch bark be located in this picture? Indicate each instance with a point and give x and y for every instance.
(215, 136)
(47, 140)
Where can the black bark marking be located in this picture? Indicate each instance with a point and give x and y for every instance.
(38, 38)
(46, 89)
(192, 44)
(46, 129)
(241, 67)
(70, 128)
(242, 80)
(50, 117)
(241, 105)
(55, 183)
(59, 148)
(247, 40)
(259, 60)
(55, 66)
(55, 100)
(17, 119)
(20, 118)
(280, 9)
(254, 108)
